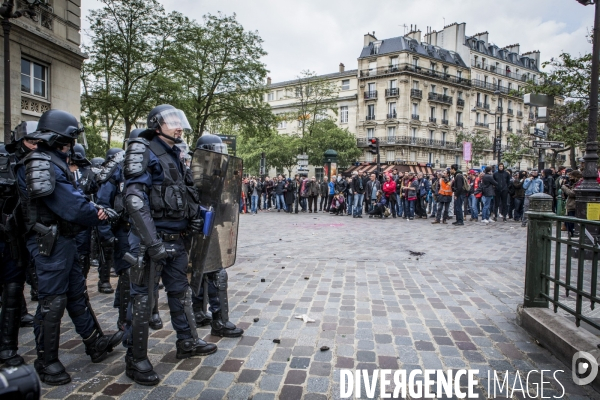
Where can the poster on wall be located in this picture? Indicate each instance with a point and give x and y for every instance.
(467, 151)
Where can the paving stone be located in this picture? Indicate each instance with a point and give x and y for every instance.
(295, 377)
(221, 380)
(161, 393)
(248, 376)
(270, 383)
(212, 394)
(191, 390)
(204, 373)
(239, 392)
(317, 385)
(300, 362)
(289, 392)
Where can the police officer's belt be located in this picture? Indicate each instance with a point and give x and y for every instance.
(169, 237)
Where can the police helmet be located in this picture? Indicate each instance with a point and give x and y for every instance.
(25, 128)
(134, 134)
(78, 156)
(115, 154)
(3, 150)
(58, 126)
(165, 115)
(211, 143)
(97, 162)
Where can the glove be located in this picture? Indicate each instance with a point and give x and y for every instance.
(196, 225)
(113, 216)
(157, 252)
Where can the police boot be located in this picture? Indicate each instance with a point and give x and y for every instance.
(224, 328)
(10, 320)
(104, 281)
(48, 366)
(155, 322)
(202, 318)
(97, 345)
(187, 348)
(26, 318)
(137, 366)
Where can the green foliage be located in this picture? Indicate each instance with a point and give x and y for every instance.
(281, 151)
(314, 98)
(97, 146)
(569, 76)
(480, 142)
(327, 135)
(517, 146)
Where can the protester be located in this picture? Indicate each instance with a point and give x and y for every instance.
(443, 197)
(532, 185)
(488, 189)
(568, 188)
(378, 206)
(389, 191)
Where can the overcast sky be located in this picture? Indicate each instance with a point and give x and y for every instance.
(319, 34)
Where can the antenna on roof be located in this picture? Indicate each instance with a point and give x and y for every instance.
(405, 26)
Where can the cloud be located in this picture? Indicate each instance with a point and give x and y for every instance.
(319, 34)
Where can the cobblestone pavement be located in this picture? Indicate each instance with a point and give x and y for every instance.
(374, 304)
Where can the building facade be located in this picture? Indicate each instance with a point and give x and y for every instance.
(46, 61)
(418, 94)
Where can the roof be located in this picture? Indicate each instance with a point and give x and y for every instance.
(493, 51)
(403, 43)
(350, 72)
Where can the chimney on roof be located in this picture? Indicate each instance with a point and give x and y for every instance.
(342, 67)
(268, 81)
(369, 37)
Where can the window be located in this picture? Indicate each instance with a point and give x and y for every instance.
(432, 67)
(430, 158)
(510, 103)
(413, 156)
(432, 88)
(477, 116)
(346, 84)
(485, 99)
(485, 117)
(509, 86)
(282, 125)
(460, 95)
(394, 63)
(376, 46)
(457, 160)
(368, 156)
(499, 83)
(371, 88)
(413, 132)
(485, 80)
(372, 66)
(392, 109)
(459, 74)
(415, 109)
(344, 114)
(442, 159)
(444, 137)
(445, 70)
(34, 78)
(415, 85)
(415, 62)
(300, 123)
(432, 112)
(445, 114)
(500, 102)
(393, 84)
(479, 97)
(370, 133)
(445, 91)
(371, 111)
(390, 155)
(458, 118)
(298, 92)
(431, 135)
(279, 94)
(391, 132)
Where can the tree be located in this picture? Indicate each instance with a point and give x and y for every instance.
(314, 97)
(517, 146)
(480, 143)
(130, 40)
(97, 146)
(219, 69)
(569, 123)
(327, 135)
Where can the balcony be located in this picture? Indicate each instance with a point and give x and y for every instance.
(486, 106)
(441, 98)
(460, 102)
(509, 129)
(370, 117)
(519, 131)
(412, 141)
(479, 104)
(412, 69)
(416, 93)
(519, 114)
(459, 124)
(432, 119)
(530, 115)
(443, 165)
(392, 115)
(415, 117)
(509, 111)
(482, 124)
(371, 95)
(444, 122)
(499, 108)
(393, 92)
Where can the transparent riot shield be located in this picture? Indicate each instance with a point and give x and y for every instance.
(218, 178)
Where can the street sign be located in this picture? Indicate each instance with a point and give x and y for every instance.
(548, 145)
(231, 142)
(538, 132)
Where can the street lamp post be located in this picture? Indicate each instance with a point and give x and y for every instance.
(497, 122)
(589, 191)
(6, 12)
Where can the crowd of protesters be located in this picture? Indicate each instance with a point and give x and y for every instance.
(485, 196)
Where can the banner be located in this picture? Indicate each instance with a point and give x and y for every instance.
(467, 151)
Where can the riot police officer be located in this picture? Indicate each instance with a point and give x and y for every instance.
(13, 252)
(96, 167)
(55, 211)
(86, 178)
(216, 281)
(162, 206)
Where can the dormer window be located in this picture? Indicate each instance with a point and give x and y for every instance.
(376, 46)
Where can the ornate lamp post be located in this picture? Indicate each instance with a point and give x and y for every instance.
(7, 13)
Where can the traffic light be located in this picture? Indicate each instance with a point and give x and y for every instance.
(374, 145)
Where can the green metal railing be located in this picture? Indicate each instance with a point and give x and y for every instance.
(562, 271)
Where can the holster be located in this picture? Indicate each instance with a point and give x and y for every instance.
(46, 238)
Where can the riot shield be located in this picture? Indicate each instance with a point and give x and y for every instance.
(218, 178)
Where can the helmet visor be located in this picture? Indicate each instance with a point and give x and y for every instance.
(25, 128)
(174, 119)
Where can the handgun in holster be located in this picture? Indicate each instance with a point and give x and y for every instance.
(137, 272)
(46, 238)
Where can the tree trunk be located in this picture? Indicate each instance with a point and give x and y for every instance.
(572, 157)
(108, 130)
(127, 129)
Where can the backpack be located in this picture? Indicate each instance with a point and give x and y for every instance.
(466, 184)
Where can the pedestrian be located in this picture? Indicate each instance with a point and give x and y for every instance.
(379, 205)
(460, 187)
(373, 186)
(488, 190)
(289, 195)
(338, 204)
(323, 192)
(444, 195)
(519, 195)
(279, 193)
(389, 191)
(349, 197)
(358, 188)
(331, 186)
(568, 188)
(313, 194)
(532, 185)
(473, 199)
